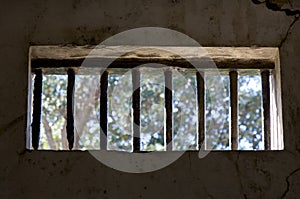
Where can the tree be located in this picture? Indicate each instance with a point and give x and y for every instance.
(87, 118)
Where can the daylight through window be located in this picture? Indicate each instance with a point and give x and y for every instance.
(153, 106)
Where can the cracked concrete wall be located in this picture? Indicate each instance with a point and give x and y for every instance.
(47, 174)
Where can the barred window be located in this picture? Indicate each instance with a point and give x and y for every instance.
(149, 100)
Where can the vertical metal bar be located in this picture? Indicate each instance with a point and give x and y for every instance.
(37, 108)
(168, 108)
(136, 76)
(265, 79)
(234, 109)
(103, 110)
(201, 108)
(70, 108)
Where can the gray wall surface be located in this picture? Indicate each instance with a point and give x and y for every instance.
(46, 174)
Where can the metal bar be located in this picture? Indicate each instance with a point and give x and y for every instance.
(265, 79)
(70, 108)
(201, 108)
(136, 76)
(168, 107)
(103, 110)
(234, 109)
(37, 108)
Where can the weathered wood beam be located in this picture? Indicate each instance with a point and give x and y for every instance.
(131, 56)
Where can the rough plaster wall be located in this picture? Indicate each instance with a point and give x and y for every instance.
(25, 174)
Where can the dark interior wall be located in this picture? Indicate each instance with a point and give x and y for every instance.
(25, 174)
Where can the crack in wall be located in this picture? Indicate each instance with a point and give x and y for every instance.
(287, 179)
(272, 5)
(276, 6)
(208, 194)
(239, 174)
(12, 123)
(288, 31)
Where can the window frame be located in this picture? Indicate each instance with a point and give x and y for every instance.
(232, 59)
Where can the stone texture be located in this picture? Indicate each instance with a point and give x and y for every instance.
(47, 174)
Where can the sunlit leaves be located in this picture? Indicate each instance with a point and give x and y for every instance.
(87, 111)
(217, 112)
(87, 107)
(184, 112)
(53, 112)
(119, 112)
(250, 116)
(152, 109)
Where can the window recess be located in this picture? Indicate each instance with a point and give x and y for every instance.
(179, 110)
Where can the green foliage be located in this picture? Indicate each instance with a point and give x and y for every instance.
(119, 113)
(184, 112)
(250, 115)
(152, 109)
(87, 118)
(217, 112)
(53, 112)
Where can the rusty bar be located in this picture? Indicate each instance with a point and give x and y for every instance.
(234, 109)
(70, 108)
(265, 80)
(136, 77)
(103, 110)
(168, 107)
(201, 108)
(37, 109)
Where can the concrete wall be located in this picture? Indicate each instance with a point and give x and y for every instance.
(47, 174)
